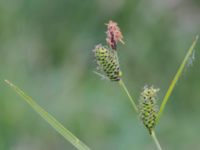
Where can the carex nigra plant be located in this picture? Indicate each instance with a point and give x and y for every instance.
(108, 67)
(108, 64)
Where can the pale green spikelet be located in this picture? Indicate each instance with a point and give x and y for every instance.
(107, 61)
(148, 110)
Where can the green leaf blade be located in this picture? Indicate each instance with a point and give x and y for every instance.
(50, 119)
(176, 77)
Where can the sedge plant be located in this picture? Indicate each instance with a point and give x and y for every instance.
(109, 68)
(108, 65)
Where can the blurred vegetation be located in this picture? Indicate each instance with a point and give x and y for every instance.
(45, 48)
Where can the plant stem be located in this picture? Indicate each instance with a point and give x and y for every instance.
(176, 78)
(50, 119)
(153, 135)
(121, 83)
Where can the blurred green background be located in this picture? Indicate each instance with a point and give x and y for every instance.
(45, 48)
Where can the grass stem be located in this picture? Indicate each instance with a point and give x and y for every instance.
(121, 83)
(153, 135)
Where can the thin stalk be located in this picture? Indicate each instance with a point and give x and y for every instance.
(176, 78)
(121, 83)
(50, 119)
(153, 135)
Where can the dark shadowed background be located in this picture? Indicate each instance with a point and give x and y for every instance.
(46, 49)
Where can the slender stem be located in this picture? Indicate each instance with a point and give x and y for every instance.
(50, 119)
(153, 135)
(121, 83)
(176, 78)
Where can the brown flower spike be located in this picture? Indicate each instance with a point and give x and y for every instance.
(113, 34)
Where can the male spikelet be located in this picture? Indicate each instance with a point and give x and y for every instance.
(113, 34)
(148, 110)
(107, 62)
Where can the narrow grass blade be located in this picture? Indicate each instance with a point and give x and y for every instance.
(50, 119)
(176, 78)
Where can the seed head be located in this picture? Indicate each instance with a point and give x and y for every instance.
(148, 110)
(107, 62)
(113, 34)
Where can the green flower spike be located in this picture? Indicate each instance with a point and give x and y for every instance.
(107, 62)
(148, 110)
